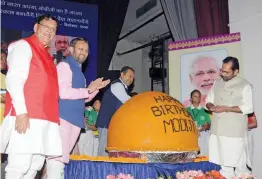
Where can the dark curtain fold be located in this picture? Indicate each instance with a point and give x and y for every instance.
(212, 17)
(180, 17)
(111, 18)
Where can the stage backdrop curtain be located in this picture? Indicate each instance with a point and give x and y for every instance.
(111, 18)
(94, 170)
(212, 17)
(180, 18)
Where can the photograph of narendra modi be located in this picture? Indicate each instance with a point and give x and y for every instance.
(200, 71)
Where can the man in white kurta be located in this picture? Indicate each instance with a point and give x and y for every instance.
(230, 100)
(30, 130)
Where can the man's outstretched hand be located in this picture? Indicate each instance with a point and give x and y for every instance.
(103, 84)
(219, 109)
(97, 84)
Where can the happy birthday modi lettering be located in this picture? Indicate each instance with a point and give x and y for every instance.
(175, 107)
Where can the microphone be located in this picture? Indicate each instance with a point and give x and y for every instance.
(59, 56)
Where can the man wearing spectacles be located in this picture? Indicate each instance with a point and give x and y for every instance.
(30, 130)
(230, 100)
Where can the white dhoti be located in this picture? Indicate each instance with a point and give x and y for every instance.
(230, 153)
(203, 143)
(251, 144)
(26, 152)
(88, 143)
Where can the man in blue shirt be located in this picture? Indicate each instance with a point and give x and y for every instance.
(114, 97)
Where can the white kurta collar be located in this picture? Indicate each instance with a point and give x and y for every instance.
(123, 83)
(193, 107)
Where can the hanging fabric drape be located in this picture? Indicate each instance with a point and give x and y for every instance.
(88, 169)
(111, 18)
(180, 18)
(212, 17)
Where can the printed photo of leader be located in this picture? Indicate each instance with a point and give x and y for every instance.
(199, 71)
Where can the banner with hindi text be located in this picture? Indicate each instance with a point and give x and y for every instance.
(75, 20)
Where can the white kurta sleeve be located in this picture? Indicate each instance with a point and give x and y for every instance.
(210, 96)
(18, 61)
(119, 91)
(247, 102)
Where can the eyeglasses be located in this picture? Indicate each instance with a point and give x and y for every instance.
(225, 72)
(45, 27)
